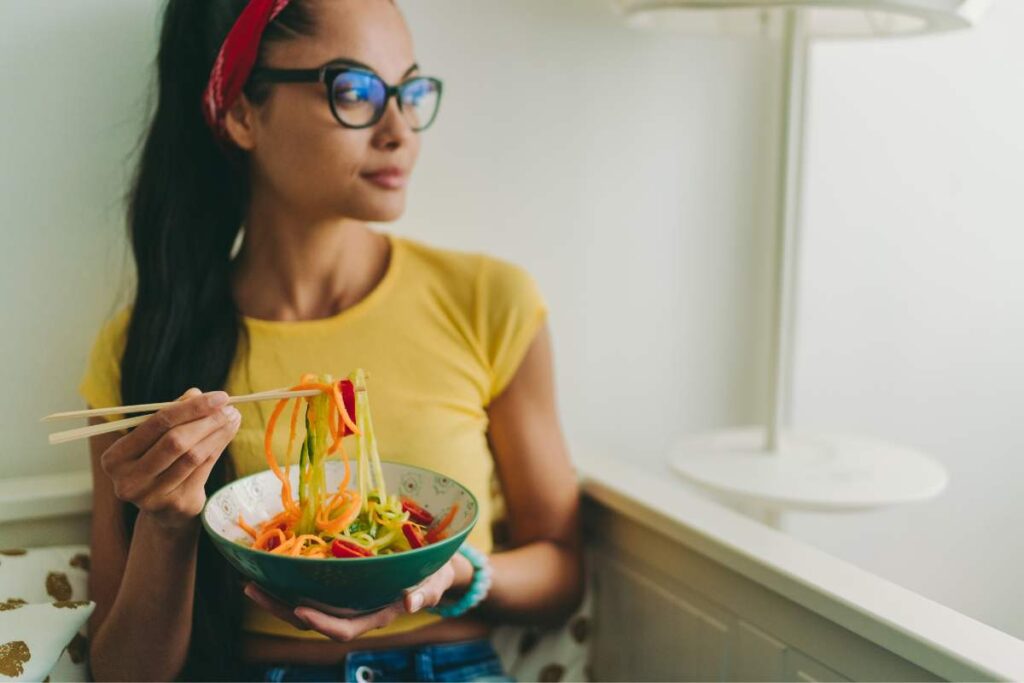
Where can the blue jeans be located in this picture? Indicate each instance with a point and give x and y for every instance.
(469, 661)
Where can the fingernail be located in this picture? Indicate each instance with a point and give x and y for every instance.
(231, 413)
(415, 602)
(217, 398)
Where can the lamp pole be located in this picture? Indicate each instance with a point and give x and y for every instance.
(789, 182)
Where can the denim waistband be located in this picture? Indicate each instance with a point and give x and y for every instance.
(473, 660)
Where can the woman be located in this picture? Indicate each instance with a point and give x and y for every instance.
(301, 120)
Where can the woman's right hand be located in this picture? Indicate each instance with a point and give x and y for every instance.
(162, 465)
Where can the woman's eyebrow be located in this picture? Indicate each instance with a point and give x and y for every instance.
(346, 61)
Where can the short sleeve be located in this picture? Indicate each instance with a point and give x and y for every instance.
(101, 383)
(510, 312)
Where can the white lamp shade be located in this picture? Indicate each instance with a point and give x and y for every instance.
(823, 18)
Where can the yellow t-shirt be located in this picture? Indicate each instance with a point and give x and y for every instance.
(440, 336)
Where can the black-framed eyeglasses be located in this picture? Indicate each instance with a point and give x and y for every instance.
(358, 97)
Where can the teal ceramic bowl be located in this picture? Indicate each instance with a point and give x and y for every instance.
(337, 586)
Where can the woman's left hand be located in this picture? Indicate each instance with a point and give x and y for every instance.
(343, 629)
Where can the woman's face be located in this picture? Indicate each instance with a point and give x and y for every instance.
(299, 151)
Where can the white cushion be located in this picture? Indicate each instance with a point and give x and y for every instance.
(33, 636)
(560, 653)
(34, 578)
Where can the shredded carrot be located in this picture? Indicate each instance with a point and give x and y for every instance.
(344, 519)
(312, 538)
(246, 528)
(285, 548)
(348, 473)
(268, 446)
(264, 538)
(435, 532)
(333, 424)
(300, 543)
(286, 517)
(333, 503)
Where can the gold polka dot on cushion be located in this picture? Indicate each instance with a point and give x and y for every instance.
(13, 657)
(552, 673)
(11, 603)
(528, 641)
(580, 628)
(57, 586)
(81, 560)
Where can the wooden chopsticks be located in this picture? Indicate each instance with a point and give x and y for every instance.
(117, 425)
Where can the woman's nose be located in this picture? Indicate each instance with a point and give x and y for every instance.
(392, 130)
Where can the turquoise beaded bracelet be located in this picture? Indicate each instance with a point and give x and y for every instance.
(477, 589)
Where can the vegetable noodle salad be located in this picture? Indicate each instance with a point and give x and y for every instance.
(342, 523)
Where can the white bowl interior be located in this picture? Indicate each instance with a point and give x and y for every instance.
(258, 497)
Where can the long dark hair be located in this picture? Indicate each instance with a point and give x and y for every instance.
(185, 207)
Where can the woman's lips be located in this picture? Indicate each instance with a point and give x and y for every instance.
(387, 178)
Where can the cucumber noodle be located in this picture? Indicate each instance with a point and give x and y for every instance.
(342, 523)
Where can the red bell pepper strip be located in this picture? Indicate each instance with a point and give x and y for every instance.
(413, 535)
(343, 548)
(416, 513)
(348, 397)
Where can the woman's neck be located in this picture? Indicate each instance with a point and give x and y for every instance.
(295, 269)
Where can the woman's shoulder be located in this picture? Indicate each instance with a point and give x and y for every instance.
(500, 301)
(475, 272)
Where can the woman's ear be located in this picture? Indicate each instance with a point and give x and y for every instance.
(240, 123)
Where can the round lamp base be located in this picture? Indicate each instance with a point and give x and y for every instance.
(816, 472)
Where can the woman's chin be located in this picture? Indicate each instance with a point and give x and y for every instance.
(381, 211)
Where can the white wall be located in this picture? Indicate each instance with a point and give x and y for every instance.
(911, 323)
(73, 92)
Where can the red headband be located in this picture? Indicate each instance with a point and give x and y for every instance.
(235, 61)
